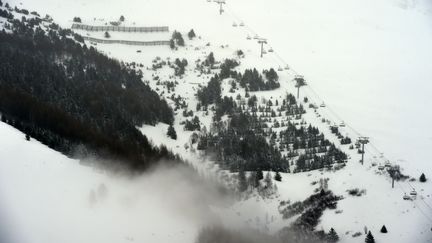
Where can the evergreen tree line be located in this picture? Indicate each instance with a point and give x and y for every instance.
(243, 146)
(310, 211)
(252, 80)
(67, 95)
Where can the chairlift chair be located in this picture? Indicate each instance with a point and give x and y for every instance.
(242, 24)
(381, 167)
(287, 67)
(413, 193)
(322, 105)
(279, 69)
(270, 50)
(342, 124)
(406, 197)
(234, 24)
(256, 37)
(248, 37)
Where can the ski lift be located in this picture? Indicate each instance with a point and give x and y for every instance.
(270, 50)
(406, 197)
(242, 24)
(322, 105)
(234, 24)
(248, 37)
(342, 124)
(287, 67)
(279, 69)
(413, 193)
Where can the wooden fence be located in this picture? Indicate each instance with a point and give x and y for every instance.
(127, 42)
(120, 28)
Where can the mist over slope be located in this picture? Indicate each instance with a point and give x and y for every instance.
(46, 197)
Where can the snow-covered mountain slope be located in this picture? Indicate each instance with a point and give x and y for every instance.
(363, 60)
(47, 197)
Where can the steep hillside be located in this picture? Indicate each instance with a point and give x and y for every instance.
(258, 126)
(65, 94)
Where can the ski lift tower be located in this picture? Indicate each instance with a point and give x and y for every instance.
(363, 141)
(262, 41)
(300, 81)
(221, 3)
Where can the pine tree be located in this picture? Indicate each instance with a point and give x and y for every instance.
(27, 137)
(180, 41)
(332, 236)
(369, 238)
(423, 178)
(258, 176)
(384, 229)
(278, 176)
(211, 59)
(107, 35)
(172, 44)
(191, 34)
(122, 18)
(171, 132)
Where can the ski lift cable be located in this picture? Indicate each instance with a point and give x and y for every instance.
(238, 19)
(235, 16)
(420, 198)
(427, 205)
(403, 190)
(337, 117)
(416, 205)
